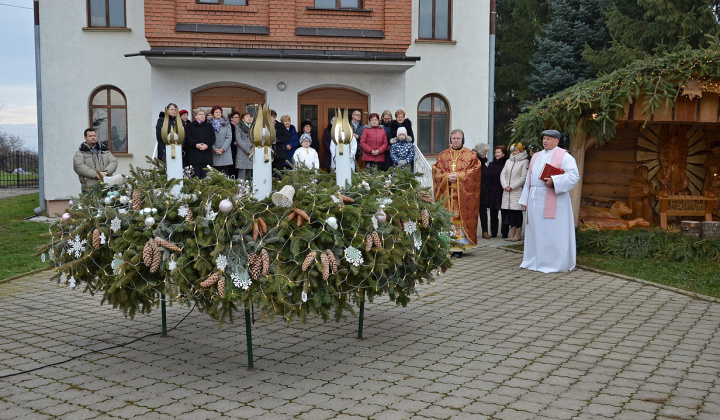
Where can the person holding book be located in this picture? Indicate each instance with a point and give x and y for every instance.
(550, 228)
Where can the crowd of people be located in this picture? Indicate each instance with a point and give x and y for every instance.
(224, 143)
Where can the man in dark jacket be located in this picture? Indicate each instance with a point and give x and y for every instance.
(281, 138)
(93, 161)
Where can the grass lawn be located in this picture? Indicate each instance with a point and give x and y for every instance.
(695, 276)
(19, 238)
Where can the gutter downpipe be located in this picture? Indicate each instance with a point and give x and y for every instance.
(42, 207)
(491, 81)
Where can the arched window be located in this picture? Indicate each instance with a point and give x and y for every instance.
(433, 124)
(108, 115)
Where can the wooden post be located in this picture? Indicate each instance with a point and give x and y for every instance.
(578, 144)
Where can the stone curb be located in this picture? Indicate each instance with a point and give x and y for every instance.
(637, 280)
(29, 273)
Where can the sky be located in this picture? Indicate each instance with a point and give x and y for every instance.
(18, 105)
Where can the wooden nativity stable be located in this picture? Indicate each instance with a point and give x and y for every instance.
(663, 114)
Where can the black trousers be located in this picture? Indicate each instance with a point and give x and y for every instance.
(515, 218)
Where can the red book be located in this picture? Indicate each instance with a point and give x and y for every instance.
(549, 170)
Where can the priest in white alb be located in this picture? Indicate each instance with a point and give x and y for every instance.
(550, 227)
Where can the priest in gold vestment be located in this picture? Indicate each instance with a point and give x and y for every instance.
(457, 175)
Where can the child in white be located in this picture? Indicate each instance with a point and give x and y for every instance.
(306, 155)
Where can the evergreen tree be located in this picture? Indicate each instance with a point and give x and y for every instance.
(644, 28)
(518, 23)
(558, 61)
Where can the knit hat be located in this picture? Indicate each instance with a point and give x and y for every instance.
(184, 111)
(305, 137)
(517, 146)
(212, 110)
(401, 130)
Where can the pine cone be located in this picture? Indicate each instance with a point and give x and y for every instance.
(189, 216)
(255, 264)
(368, 242)
(425, 218)
(426, 197)
(136, 200)
(309, 259)
(265, 259)
(221, 286)
(167, 244)
(148, 252)
(96, 239)
(255, 231)
(345, 198)
(376, 239)
(326, 266)
(332, 261)
(212, 279)
(156, 260)
(262, 226)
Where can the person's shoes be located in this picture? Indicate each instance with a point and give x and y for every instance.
(494, 235)
(456, 255)
(486, 235)
(516, 237)
(512, 234)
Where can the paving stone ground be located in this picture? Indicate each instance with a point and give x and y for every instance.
(488, 340)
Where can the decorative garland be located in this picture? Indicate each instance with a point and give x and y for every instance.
(217, 246)
(596, 104)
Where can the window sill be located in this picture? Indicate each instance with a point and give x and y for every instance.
(435, 41)
(322, 9)
(122, 154)
(104, 29)
(221, 8)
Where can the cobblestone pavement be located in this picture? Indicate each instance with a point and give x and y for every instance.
(488, 340)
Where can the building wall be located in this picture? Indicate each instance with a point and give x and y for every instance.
(74, 62)
(457, 70)
(281, 17)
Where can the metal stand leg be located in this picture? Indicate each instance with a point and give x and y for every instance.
(164, 315)
(360, 320)
(248, 335)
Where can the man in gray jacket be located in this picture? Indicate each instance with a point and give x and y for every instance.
(93, 161)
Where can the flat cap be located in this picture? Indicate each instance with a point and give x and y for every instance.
(551, 133)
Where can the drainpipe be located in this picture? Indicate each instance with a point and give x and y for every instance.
(41, 166)
(491, 79)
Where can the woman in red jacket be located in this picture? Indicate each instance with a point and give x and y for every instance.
(374, 142)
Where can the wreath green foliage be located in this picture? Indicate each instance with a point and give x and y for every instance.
(595, 105)
(648, 243)
(117, 271)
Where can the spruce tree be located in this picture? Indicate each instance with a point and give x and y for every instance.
(518, 23)
(644, 28)
(558, 61)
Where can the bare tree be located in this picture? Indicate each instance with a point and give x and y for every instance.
(10, 143)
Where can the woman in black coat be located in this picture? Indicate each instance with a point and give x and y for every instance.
(400, 121)
(171, 110)
(495, 191)
(199, 139)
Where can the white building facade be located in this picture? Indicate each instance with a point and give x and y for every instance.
(112, 72)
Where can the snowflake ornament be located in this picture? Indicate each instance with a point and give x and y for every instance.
(417, 242)
(209, 213)
(183, 210)
(410, 227)
(76, 246)
(188, 172)
(374, 222)
(115, 224)
(384, 201)
(241, 280)
(172, 265)
(353, 256)
(221, 262)
(116, 263)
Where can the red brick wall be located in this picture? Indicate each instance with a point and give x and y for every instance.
(282, 17)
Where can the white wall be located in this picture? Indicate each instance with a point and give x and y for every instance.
(73, 63)
(459, 72)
